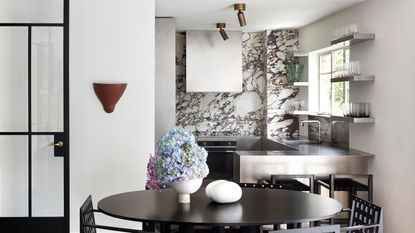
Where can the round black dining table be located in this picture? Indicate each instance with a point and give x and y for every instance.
(256, 207)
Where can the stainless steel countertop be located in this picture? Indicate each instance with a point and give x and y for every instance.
(324, 149)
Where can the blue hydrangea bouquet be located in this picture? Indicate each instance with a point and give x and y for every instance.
(178, 158)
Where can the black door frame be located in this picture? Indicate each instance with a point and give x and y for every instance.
(66, 184)
(36, 224)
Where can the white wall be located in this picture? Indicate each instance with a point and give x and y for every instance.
(390, 58)
(111, 40)
(165, 76)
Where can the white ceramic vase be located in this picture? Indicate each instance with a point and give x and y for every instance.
(185, 188)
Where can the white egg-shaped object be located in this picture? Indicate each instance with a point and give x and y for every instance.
(211, 184)
(225, 192)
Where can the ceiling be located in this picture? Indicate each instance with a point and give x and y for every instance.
(260, 14)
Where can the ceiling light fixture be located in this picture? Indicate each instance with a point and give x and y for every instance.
(240, 7)
(222, 31)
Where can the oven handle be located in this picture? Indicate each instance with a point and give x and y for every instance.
(222, 151)
(219, 147)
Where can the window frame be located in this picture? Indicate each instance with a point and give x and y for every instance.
(319, 78)
(332, 71)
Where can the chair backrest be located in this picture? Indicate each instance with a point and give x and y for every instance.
(350, 182)
(86, 214)
(321, 229)
(261, 186)
(291, 182)
(365, 213)
(255, 185)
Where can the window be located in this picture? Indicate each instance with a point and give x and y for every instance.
(325, 83)
(332, 96)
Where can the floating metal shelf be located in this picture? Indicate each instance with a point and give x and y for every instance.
(353, 39)
(300, 84)
(359, 78)
(308, 113)
(300, 113)
(316, 114)
(300, 54)
(355, 120)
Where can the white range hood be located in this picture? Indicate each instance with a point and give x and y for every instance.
(212, 64)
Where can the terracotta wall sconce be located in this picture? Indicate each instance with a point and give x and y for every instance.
(109, 94)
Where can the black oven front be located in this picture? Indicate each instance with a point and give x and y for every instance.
(220, 156)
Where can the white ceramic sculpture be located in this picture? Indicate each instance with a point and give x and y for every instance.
(211, 184)
(223, 191)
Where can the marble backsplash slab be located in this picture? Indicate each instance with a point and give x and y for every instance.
(213, 114)
(280, 43)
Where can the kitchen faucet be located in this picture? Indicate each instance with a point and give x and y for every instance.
(318, 123)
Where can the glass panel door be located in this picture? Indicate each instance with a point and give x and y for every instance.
(13, 176)
(13, 78)
(34, 114)
(47, 79)
(47, 178)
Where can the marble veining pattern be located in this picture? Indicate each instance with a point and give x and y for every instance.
(280, 92)
(225, 113)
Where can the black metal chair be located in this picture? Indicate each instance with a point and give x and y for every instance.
(87, 220)
(321, 229)
(346, 182)
(365, 217)
(291, 182)
(261, 185)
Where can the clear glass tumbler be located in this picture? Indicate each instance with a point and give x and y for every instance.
(346, 109)
(355, 67)
(366, 110)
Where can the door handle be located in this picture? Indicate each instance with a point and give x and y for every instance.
(57, 144)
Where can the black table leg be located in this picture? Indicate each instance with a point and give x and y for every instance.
(218, 229)
(186, 228)
(276, 227)
(251, 229)
(147, 226)
(164, 228)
